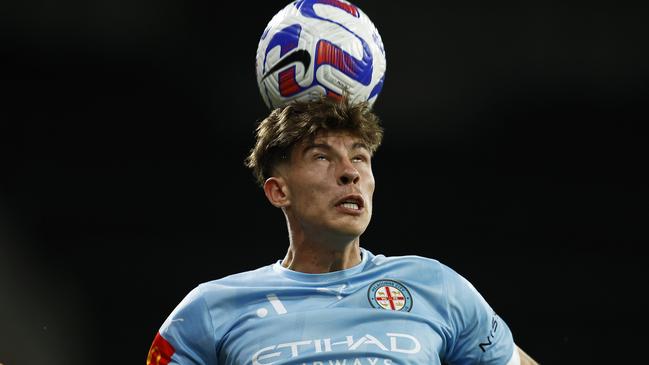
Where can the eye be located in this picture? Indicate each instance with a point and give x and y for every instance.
(360, 158)
(320, 157)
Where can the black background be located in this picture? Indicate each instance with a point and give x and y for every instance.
(514, 153)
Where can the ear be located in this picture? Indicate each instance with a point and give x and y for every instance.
(276, 191)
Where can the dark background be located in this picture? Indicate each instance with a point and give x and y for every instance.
(514, 153)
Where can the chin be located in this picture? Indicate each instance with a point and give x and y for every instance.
(352, 231)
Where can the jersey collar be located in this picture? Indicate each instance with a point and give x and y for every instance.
(318, 278)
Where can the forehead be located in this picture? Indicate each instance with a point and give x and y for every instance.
(331, 138)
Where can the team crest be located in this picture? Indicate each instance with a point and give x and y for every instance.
(390, 295)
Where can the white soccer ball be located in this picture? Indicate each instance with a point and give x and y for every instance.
(316, 47)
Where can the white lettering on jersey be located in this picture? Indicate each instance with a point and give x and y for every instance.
(399, 342)
(393, 343)
(258, 355)
(370, 361)
(327, 342)
(293, 346)
(368, 339)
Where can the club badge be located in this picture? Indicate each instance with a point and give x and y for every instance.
(389, 294)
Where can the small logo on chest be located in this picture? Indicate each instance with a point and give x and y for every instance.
(389, 294)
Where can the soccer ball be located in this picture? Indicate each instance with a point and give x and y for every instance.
(316, 47)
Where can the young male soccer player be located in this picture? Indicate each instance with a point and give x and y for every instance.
(329, 300)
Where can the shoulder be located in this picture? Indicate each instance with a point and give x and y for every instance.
(381, 259)
(416, 267)
(477, 335)
(218, 297)
(206, 312)
(435, 274)
(441, 281)
(226, 292)
(240, 279)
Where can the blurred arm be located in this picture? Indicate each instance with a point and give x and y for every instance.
(519, 357)
(525, 358)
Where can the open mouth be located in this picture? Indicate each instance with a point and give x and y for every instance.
(353, 202)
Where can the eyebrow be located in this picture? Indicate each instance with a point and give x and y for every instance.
(355, 146)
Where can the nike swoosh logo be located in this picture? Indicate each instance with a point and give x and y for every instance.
(300, 55)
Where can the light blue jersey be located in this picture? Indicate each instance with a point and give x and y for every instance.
(386, 310)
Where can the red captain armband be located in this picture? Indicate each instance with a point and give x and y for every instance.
(160, 351)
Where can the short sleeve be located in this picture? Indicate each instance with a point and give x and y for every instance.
(187, 336)
(480, 336)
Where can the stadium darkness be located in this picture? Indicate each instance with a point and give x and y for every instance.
(124, 126)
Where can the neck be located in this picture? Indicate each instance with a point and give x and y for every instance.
(316, 259)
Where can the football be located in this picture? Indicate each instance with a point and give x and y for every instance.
(315, 47)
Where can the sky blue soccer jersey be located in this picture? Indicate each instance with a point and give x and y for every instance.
(385, 310)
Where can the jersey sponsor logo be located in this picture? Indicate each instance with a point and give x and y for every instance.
(160, 352)
(391, 342)
(389, 294)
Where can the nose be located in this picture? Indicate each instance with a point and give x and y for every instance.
(348, 174)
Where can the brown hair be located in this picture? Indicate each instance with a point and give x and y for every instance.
(286, 126)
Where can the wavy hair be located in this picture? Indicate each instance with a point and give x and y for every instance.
(286, 126)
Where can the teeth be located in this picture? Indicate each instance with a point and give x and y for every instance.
(350, 205)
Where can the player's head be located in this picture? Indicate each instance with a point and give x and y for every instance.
(313, 160)
(286, 126)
